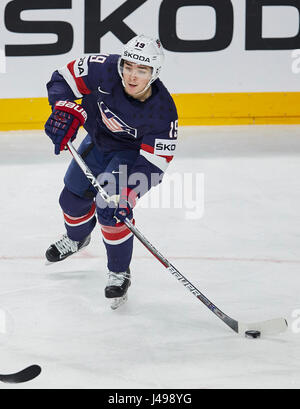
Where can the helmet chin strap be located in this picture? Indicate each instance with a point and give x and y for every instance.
(145, 89)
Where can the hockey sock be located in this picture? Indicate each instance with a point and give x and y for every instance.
(118, 241)
(79, 215)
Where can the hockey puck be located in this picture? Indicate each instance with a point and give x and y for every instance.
(252, 334)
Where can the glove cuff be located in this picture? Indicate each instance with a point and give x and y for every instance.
(72, 108)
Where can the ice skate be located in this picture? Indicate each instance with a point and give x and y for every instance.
(64, 248)
(117, 287)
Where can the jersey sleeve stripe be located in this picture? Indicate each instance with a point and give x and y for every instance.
(147, 148)
(66, 74)
(81, 86)
(150, 149)
(168, 158)
(158, 161)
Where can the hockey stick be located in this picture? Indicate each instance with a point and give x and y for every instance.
(270, 327)
(23, 376)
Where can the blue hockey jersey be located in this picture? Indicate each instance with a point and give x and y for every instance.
(116, 121)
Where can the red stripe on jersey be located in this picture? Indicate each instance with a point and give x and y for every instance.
(147, 148)
(82, 88)
(168, 158)
(150, 149)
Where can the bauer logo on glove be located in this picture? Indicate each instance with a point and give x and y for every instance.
(72, 105)
(64, 122)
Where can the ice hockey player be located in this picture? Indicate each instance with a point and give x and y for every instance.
(132, 125)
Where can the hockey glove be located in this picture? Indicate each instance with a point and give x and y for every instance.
(64, 122)
(126, 204)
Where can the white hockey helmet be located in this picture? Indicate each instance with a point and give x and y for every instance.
(145, 51)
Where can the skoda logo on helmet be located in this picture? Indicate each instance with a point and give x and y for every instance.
(137, 57)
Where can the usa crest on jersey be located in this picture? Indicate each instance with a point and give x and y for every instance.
(113, 122)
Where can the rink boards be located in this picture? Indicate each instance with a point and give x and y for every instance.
(193, 109)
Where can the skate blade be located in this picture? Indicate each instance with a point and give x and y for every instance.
(117, 302)
(51, 263)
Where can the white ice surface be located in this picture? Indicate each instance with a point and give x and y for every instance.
(243, 254)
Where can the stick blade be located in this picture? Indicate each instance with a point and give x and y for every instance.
(270, 327)
(25, 375)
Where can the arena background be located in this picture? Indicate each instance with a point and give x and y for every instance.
(227, 62)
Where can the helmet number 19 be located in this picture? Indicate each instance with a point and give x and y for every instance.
(140, 45)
